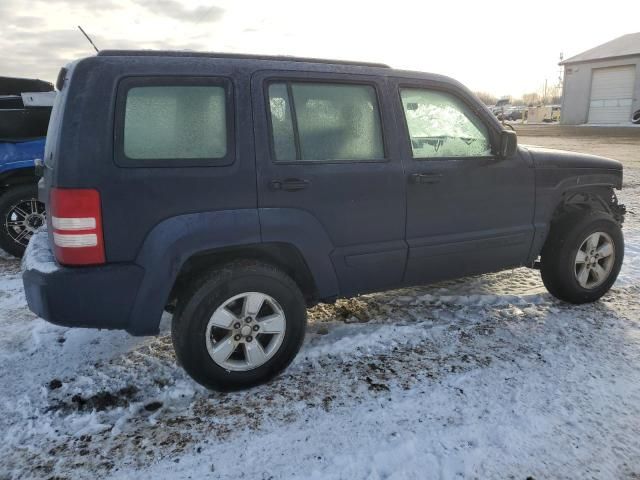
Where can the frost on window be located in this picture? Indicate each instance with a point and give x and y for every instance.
(284, 145)
(442, 126)
(337, 122)
(327, 121)
(175, 122)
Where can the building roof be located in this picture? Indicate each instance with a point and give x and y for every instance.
(620, 47)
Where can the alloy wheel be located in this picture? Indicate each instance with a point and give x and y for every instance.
(24, 219)
(594, 260)
(245, 331)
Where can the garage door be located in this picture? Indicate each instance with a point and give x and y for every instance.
(612, 94)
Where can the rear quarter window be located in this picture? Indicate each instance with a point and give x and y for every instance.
(174, 122)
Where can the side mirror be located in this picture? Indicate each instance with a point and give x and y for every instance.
(508, 143)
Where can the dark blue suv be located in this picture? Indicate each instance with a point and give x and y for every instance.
(235, 191)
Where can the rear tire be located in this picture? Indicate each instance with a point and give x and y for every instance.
(572, 269)
(17, 220)
(201, 343)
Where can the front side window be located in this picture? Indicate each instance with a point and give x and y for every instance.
(440, 125)
(175, 122)
(324, 121)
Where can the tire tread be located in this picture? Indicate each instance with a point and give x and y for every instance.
(195, 292)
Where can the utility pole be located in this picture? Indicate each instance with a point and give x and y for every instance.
(560, 78)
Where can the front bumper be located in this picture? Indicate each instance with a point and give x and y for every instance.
(93, 297)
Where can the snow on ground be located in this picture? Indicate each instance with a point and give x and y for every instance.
(486, 377)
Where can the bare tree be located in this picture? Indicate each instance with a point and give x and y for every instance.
(531, 98)
(487, 98)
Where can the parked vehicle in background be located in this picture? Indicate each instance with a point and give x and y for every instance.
(504, 102)
(25, 108)
(235, 191)
(501, 106)
(544, 113)
(514, 113)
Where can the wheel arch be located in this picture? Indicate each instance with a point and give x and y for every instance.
(594, 198)
(18, 176)
(177, 246)
(284, 256)
(573, 201)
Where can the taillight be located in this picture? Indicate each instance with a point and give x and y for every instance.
(77, 226)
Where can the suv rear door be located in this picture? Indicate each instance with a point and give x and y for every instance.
(468, 211)
(323, 149)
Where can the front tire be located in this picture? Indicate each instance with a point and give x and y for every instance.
(239, 325)
(582, 257)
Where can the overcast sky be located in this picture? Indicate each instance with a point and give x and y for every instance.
(502, 47)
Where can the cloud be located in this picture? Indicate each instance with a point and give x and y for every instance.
(176, 10)
(27, 22)
(40, 36)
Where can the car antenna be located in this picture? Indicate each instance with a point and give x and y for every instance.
(89, 38)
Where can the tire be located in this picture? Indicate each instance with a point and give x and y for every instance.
(208, 295)
(560, 266)
(14, 239)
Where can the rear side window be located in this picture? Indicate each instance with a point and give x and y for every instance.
(325, 122)
(174, 124)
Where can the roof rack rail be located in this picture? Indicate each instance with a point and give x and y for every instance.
(279, 58)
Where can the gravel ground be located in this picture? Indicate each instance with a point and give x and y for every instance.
(486, 377)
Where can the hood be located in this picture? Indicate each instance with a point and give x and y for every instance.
(551, 158)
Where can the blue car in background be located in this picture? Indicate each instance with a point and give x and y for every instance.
(25, 108)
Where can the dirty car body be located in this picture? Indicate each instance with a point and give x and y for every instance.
(340, 211)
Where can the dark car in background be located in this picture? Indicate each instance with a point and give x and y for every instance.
(515, 113)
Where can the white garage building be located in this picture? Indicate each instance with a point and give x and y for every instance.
(602, 85)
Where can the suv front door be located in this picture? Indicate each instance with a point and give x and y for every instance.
(325, 165)
(468, 210)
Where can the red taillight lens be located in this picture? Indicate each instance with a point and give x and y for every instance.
(77, 226)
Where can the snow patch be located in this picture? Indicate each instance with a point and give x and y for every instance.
(38, 255)
(485, 377)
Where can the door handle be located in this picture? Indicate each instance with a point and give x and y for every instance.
(289, 184)
(425, 178)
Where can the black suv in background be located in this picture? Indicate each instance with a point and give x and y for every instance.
(235, 191)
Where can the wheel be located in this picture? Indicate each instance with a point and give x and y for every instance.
(582, 257)
(239, 325)
(21, 214)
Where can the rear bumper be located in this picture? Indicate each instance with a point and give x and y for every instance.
(93, 297)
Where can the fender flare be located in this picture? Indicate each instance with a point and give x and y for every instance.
(303, 230)
(173, 241)
(170, 243)
(588, 183)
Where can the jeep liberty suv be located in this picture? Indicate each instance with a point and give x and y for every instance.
(235, 191)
